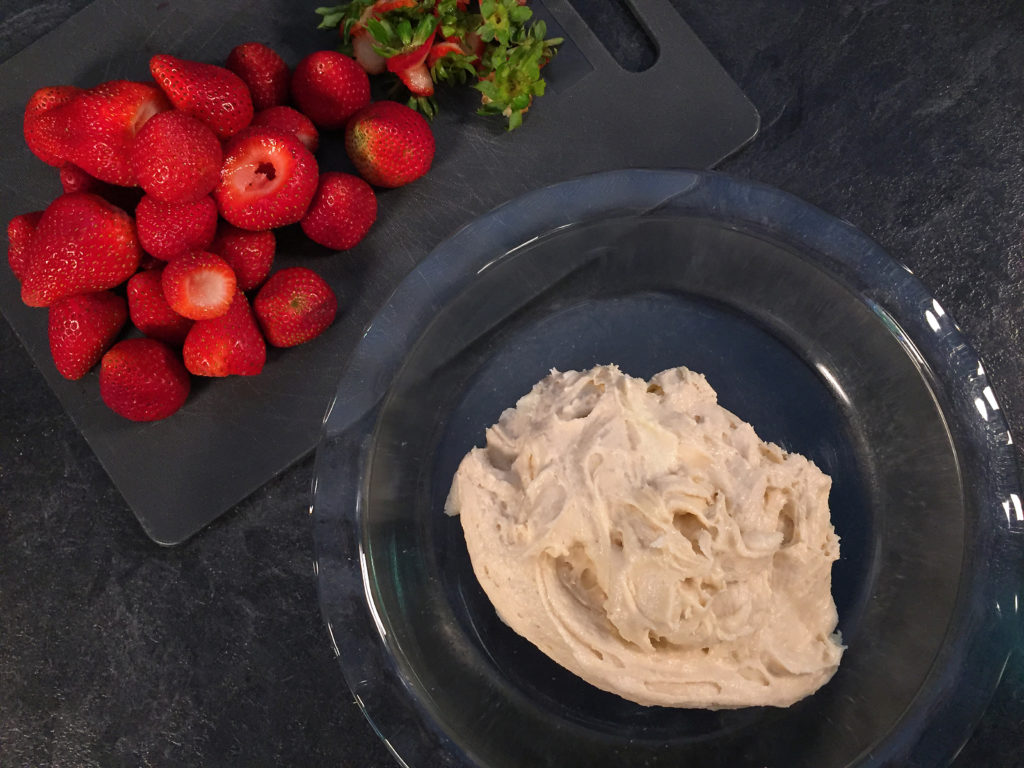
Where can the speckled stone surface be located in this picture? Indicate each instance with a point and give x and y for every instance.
(902, 118)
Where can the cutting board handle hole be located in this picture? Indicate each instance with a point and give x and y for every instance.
(617, 28)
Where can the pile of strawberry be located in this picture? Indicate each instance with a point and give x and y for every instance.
(172, 190)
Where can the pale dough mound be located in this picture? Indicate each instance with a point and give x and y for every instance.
(646, 539)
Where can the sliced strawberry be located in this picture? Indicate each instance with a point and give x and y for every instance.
(199, 285)
(249, 254)
(294, 306)
(230, 345)
(213, 94)
(44, 135)
(343, 210)
(102, 124)
(82, 244)
(328, 87)
(412, 56)
(176, 158)
(167, 230)
(292, 121)
(365, 54)
(446, 48)
(268, 179)
(81, 328)
(150, 312)
(20, 230)
(143, 380)
(263, 71)
(417, 79)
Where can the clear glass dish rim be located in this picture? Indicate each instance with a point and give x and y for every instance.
(932, 731)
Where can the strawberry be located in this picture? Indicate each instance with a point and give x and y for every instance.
(74, 179)
(328, 87)
(82, 244)
(167, 230)
(143, 380)
(19, 234)
(294, 306)
(41, 128)
(228, 345)
(292, 121)
(199, 285)
(389, 143)
(342, 211)
(365, 54)
(249, 254)
(215, 95)
(176, 158)
(263, 71)
(81, 328)
(411, 67)
(100, 126)
(150, 312)
(268, 179)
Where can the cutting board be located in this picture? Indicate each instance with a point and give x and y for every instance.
(233, 435)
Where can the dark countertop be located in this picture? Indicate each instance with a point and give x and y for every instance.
(902, 118)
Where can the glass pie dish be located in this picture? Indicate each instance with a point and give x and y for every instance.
(809, 331)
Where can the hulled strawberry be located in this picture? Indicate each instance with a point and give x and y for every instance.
(210, 93)
(176, 158)
(81, 328)
(263, 71)
(249, 254)
(291, 121)
(328, 87)
(143, 380)
(268, 179)
(342, 211)
(199, 285)
(150, 312)
(389, 144)
(230, 345)
(43, 131)
(20, 230)
(294, 306)
(167, 230)
(82, 244)
(101, 126)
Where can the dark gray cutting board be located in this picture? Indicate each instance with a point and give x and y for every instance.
(234, 434)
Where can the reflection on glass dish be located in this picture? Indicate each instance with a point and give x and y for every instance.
(808, 331)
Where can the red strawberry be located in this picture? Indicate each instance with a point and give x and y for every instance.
(268, 179)
(342, 211)
(143, 380)
(263, 71)
(176, 158)
(389, 143)
(328, 87)
(292, 121)
(81, 328)
(199, 285)
(210, 93)
(19, 234)
(82, 244)
(74, 179)
(249, 254)
(42, 134)
(101, 125)
(294, 306)
(167, 230)
(227, 345)
(412, 69)
(151, 313)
